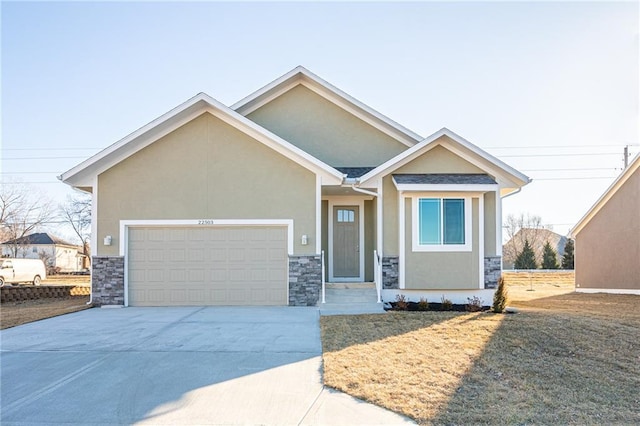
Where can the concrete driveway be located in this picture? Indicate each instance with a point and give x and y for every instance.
(213, 365)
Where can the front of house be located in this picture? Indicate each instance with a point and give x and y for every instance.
(297, 184)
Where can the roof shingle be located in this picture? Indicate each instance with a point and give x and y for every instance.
(443, 179)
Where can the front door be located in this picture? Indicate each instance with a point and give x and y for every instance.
(346, 242)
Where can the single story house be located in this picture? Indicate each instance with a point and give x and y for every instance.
(57, 254)
(607, 253)
(299, 183)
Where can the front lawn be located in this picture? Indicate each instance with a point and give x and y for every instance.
(564, 359)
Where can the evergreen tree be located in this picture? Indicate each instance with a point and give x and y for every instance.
(526, 259)
(549, 257)
(500, 297)
(567, 258)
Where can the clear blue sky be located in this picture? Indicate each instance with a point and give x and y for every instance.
(525, 81)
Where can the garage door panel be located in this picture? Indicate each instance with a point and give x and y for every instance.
(237, 254)
(196, 275)
(218, 275)
(196, 234)
(207, 266)
(257, 254)
(276, 255)
(196, 255)
(156, 235)
(177, 255)
(278, 275)
(218, 255)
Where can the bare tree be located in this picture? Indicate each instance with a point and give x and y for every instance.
(23, 210)
(519, 229)
(48, 260)
(76, 211)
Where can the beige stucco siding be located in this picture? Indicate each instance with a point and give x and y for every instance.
(490, 224)
(390, 214)
(607, 254)
(206, 169)
(325, 130)
(441, 271)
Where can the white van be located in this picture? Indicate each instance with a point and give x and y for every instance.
(22, 271)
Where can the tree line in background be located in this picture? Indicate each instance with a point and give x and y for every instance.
(530, 245)
(526, 259)
(24, 211)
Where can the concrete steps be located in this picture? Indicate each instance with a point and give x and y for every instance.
(350, 299)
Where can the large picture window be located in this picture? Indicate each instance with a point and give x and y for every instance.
(442, 223)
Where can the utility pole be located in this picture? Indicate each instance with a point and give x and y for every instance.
(626, 156)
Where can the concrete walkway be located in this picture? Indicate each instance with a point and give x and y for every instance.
(174, 366)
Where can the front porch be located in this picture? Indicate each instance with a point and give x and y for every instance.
(350, 299)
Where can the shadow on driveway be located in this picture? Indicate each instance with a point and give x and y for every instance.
(135, 364)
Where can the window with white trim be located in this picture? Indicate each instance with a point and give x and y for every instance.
(442, 224)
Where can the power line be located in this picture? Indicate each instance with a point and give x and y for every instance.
(31, 182)
(571, 154)
(43, 158)
(571, 170)
(575, 178)
(24, 173)
(51, 149)
(486, 147)
(560, 146)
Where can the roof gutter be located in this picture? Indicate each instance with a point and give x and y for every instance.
(363, 191)
(512, 193)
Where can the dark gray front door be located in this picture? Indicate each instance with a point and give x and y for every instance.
(346, 242)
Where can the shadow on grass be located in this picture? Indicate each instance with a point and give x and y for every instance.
(566, 359)
(551, 368)
(341, 332)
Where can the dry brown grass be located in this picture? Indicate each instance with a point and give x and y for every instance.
(564, 359)
(18, 313)
(67, 280)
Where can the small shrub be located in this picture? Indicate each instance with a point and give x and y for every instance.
(474, 304)
(445, 304)
(423, 305)
(402, 304)
(500, 297)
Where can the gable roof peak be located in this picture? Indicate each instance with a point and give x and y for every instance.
(618, 182)
(84, 173)
(302, 76)
(513, 179)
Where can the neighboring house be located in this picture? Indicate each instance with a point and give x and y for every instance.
(537, 238)
(607, 253)
(210, 204)
(57, 254)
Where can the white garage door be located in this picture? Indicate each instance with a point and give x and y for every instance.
(235, 265)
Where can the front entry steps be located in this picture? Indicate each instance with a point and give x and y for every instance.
(350, 299)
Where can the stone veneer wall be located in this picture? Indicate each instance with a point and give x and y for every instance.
(107, 280)
(390, 272)
(305, 280)
(492, 271)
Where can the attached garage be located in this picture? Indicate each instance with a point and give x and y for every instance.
(207, 265)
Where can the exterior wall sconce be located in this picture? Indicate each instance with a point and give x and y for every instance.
(107, 240)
